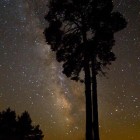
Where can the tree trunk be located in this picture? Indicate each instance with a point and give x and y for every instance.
(89, 135)
(95, 104)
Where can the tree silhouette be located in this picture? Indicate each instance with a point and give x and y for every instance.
(26, 130)
(81, 32)
(7, 124)
(21, 128)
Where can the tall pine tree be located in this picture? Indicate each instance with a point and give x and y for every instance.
(81, 32)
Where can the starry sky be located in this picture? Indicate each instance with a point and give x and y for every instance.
(31, 78)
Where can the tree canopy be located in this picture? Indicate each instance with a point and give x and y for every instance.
(76, 27)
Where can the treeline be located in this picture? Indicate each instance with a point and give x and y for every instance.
(13, 127)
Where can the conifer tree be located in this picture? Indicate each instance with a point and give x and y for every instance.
(81, 32)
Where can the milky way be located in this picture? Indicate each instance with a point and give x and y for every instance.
(31, 78)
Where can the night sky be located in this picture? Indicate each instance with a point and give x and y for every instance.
(31, 79)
